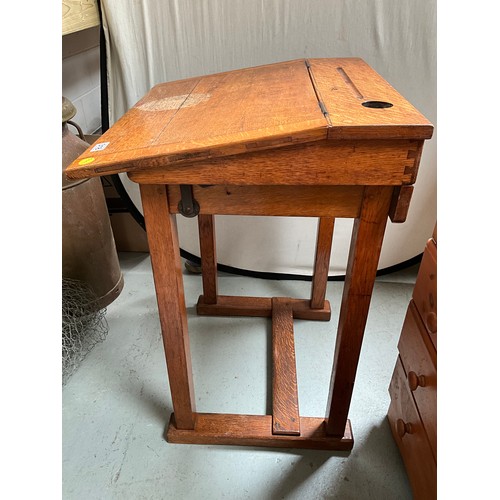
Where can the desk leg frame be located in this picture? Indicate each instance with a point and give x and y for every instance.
(364, 253)
(187, 426)
(167, 274)
(206, 229)
(322, 261)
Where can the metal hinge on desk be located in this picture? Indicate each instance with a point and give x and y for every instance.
(188, 206)
(323, 108)
(321, 104)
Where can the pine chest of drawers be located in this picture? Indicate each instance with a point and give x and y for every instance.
(413, 387)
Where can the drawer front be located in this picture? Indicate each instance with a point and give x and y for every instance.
(419, 360)
(411, 438)
(425, 291)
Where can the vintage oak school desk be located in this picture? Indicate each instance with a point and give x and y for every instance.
(319, 138)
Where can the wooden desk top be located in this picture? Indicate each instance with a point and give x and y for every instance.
(249, 110)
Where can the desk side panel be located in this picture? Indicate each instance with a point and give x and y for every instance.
(287, 201)
(368, 162)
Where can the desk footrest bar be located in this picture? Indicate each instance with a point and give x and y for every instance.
(256, 430)
(260, 307)
(286, 419)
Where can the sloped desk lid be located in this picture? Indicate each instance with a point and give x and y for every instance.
(252, 109)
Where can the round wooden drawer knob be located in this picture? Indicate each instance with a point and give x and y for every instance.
(403, 428)
(415, 381)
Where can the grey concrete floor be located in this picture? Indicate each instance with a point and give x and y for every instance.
(117, 404)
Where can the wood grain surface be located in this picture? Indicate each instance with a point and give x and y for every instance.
(414, 445)
(167, 273)
(79, 15)
(400, 203)
(252, 109)
(364, 253)
(256, 430)
(375, 162)
(418, 355)
(425, 293)
(344, 84)
(259, 307)
(214, 115)
(206, 229)
(322, 261)
(300, 138)
(286, 419)
(300, 201)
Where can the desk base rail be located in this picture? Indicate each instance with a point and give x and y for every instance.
(227, 305)
(256, 430)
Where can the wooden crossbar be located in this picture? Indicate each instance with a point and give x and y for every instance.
(228, 305)
(286, 419)
(255, 430)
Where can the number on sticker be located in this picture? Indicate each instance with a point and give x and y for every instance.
(100, 146)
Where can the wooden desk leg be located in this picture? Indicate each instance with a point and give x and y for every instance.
(206, 229)
(366, 243)
(167, 273)
(322, 262)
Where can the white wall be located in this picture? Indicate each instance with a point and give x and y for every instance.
(81, 77)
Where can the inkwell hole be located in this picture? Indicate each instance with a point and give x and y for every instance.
(376, 104)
